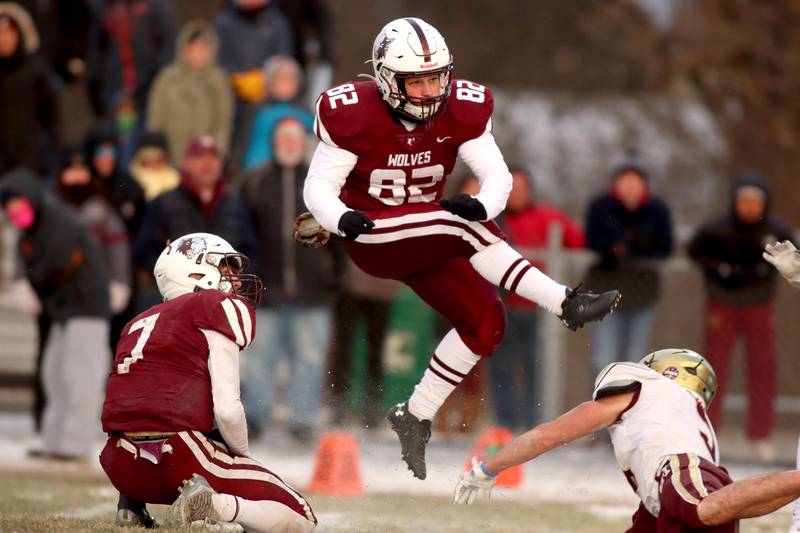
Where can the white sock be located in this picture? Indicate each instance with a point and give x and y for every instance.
(502, 265)
(226, 505)
(259, 515)
(450, 364)
(269, 516)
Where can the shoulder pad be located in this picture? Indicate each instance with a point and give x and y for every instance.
(617, 378)
(471, 105)
(224, 313)
(344, 111)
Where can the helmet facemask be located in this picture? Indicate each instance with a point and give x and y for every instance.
(232, 279)
(419, 109)
(201, 261)
(405, 48)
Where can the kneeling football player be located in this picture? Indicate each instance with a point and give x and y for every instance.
(176, 425)
(655, 411)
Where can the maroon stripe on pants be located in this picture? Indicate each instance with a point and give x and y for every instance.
(249, 489)
(435, 222)
(508, 272)
(685, 476)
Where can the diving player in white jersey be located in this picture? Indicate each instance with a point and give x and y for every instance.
(655, 411)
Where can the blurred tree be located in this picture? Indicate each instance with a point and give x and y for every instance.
(742, 59)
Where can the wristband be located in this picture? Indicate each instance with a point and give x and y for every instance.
(485, 470)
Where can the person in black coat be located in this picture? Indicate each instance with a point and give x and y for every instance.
(201, 203)
(67, 270)
(294, 316)
(740, 290)
(630, 230)
(28, 105)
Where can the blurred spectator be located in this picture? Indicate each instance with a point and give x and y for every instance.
(192, 95)
(102, 152)
(28, 105)
(294, 317)
(360, 297)
(284, 79)
(201, 203)
(131, 42)
(66, 269)
(83, 192)
(630, 228)
(150, 165)
(250, 32)
(740, 290)
(313, 49)
(513, 368)
(64, 27)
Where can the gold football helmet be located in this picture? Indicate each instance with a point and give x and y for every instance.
(686, 368)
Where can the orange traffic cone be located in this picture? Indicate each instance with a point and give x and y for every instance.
(338, 469)
(489, 443)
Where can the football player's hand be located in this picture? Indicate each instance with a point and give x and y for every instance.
(475, 484)
(786, 258)
(354, 223)
(466, 206)
(308, 232)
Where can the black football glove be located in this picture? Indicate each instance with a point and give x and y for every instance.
(465, 206)
(354, 223)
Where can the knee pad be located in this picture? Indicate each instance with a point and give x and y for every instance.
(486, 333)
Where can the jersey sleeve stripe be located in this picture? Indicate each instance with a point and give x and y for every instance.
(233, 321)
(247, 324)
(319, 126)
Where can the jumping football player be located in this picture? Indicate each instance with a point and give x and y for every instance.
(176, 425)
(376, 179)
(655, 411)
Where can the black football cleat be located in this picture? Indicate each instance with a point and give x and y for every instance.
(129, 518)
(581, 307)
(414, 434)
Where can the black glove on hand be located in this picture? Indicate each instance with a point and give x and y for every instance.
(465, 206)
(354, 223)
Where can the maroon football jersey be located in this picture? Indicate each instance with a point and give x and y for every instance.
(396, 166)
(160, 379)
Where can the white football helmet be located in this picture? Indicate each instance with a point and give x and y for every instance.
(200, 261)
(411, 47)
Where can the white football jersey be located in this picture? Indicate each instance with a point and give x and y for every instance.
(662, 419)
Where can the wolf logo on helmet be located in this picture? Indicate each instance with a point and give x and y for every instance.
(204, 261)
(191, 247)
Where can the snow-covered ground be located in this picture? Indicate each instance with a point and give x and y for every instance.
(575, 473)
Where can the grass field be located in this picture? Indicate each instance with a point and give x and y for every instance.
(84, 501)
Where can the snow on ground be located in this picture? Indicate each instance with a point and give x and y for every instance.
(575, 473)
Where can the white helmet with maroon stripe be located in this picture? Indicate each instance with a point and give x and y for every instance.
(411, 47)
(200, 261)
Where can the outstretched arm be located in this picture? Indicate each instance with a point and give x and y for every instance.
(587, 418)
(583, 420)
(786, 258)
(749, 498)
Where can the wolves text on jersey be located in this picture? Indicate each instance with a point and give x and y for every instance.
(408, 160)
